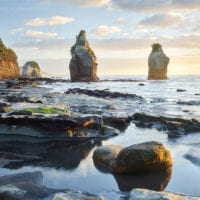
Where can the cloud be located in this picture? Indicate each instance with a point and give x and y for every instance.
(155, 5)
(84, 3)
(162, 20)
(39, 35)
(51, 21)
(16, 30)
(105, 30)
(120, 20)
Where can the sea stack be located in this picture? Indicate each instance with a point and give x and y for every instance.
(31, 70)
(83, 65)
(8, 62)
(158, 63)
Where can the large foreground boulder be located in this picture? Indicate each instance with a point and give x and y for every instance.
(158, 63)
(31, 70)
(143, 194)
(8, 62)
(148, 156)
(83, 66)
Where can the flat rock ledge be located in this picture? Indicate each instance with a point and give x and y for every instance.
(148, 156)
(144, 194)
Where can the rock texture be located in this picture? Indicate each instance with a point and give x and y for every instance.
(8, 62)
(83, 65)
(158, 63)
(143, 194)
(149, 156)
(31, 70)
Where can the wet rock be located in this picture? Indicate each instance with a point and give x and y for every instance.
(73, 195)
(144, 194)
(24, 186)
(121, 123)
(31, 69)
(141, 84)
(177, 126)
(189, 103)
(197, 94)
(149, 156)
(60, 122)
(20, 98)
(194, 156)
(14, 84)
(4, 107)
(181, 90)
(158, 63)
(103, 94)
(104, 156)
(83, 65)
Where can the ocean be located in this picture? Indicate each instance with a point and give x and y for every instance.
(177, 97)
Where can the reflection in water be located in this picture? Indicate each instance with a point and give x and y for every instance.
(55, 154)
(157, 180)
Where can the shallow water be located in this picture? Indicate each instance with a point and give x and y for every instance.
(161, 98)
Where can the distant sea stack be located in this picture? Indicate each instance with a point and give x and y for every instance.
(83, 65)
(8, 62)
(31, 70)
(158, 63)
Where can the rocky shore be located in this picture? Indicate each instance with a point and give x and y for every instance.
(63, 128)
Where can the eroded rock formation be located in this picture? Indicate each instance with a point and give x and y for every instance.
(8, 62)
(31, 70)
(158, 63)
(83, 65)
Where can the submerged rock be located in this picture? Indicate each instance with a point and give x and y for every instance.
(193, 155)
(8, 62)
(149, 156)
(144, 194)
(31, 70)
(158, 63)
(83, 65)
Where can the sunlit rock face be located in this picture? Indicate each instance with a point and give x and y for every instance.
(83, 65)
(8, 62)
(158, 63)
(31, 70)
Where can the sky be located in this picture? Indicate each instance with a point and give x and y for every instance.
(119, 32)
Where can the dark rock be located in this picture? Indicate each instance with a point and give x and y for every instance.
(177, 126)
(149, 156)
(141, 84)
(14, 84)
(83, 65)
(20, 98)
(24, 186)
(181, 90)
(103, 94)
(189, 103)
(4, 107)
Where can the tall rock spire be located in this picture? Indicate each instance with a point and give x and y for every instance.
(158, 63)
(83, 65)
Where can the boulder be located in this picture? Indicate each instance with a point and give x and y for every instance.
(8, 62)
(83, 65)
(31, 70)
(158, 63)
(144, 194)
(149, 156)
(104, 156)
